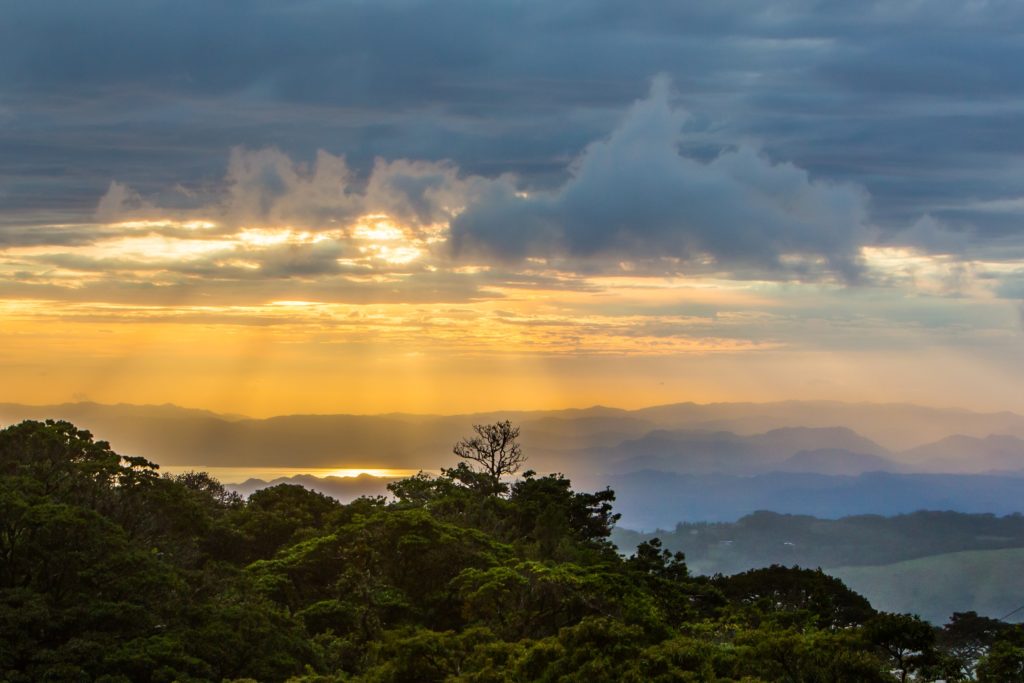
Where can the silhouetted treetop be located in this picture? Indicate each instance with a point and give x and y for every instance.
(495, 452)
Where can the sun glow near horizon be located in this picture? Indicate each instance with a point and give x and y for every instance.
(242, 473)
(152, 317)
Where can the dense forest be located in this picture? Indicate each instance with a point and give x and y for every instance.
(110, 571)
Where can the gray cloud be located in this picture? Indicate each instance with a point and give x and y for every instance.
(118, 201)
(933, 236)
(1011, 286)
(416, 192)
(266, 186)
(918, 103)
(634, 196)
(302, 260)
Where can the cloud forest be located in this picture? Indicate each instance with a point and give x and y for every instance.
(111, 572)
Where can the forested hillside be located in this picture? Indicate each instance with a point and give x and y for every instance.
(765, 538)
(111, 572)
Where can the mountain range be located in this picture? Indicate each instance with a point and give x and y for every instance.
(667, 463)
(686, 437)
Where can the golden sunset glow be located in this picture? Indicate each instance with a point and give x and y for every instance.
(373, 472)
(377, 228)
(269, 237)
(129, 316)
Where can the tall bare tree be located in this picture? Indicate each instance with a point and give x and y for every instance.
(494, 450)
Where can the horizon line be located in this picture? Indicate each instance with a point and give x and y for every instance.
(569, 409)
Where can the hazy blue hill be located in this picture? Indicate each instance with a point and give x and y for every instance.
(837, 461)
(692, 451)
(591, 431)
(787, 440)
(683, 451)
(655, 499)
(989, 582)
(960, 453)
(896, 426)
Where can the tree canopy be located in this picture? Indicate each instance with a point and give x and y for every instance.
(111, 572)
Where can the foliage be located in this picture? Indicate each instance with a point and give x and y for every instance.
(110, 572)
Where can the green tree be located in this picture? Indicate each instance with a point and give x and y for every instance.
(278, 516)
(791, 594)
(967, 638)
(1003, 664)
(112, 573)
(907, 641)
(552, 521)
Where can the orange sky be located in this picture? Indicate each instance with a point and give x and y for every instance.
(395, 336)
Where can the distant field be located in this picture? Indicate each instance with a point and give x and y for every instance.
(990, 582)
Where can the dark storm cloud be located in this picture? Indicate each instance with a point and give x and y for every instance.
(634, 196)
(919, 103)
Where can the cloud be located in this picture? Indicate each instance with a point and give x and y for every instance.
(934, 236)
(154, 94)
(1010, 285)
(634, 195)
(302, 260)
(648, 198)
(120, 201)
(415, 192)
(629, 197)
(266, 186)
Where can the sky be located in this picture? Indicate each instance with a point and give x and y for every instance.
(265, 208)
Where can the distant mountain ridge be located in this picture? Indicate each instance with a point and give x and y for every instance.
(838, 461)
(656, 499)
(666, 464)
(725, 452)
(961, 453)
(597, 436)
(897, 426)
